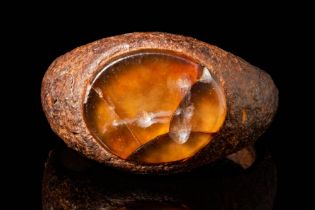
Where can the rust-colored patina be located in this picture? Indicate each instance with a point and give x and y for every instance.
(156, 102)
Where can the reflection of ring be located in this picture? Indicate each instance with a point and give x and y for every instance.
(156, 102)
(71, 180)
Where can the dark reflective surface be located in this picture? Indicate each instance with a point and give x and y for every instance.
(73, 182)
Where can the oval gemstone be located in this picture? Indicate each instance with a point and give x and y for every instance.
(154, 107)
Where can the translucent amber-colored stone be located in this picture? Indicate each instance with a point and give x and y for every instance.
(158, 97)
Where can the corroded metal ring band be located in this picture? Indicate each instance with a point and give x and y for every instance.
(250, 93)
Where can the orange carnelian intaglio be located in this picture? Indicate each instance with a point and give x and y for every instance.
(154, 107)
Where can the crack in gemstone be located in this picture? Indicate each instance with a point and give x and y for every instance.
(114, 114)
(145, 119)
(180, 127)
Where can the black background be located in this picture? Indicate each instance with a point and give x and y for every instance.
(270, 39)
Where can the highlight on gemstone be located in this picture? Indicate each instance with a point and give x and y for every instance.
(154, 107)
